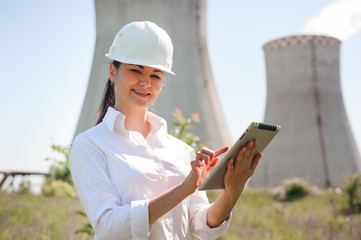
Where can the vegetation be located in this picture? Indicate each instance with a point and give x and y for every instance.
(291, 212)
(352, 188)
(26, 216)
(257, 215)
(296, 190)
(182, 127)
(292, 189)
(60, 170)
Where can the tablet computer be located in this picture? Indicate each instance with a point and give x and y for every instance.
(256, 130)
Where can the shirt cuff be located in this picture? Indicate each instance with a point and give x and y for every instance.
(214, 233)
(139, 219)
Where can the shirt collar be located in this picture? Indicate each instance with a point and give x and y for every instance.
(114, 119)
(159, 128)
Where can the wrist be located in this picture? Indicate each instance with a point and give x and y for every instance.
(187, 188)
(233, 196)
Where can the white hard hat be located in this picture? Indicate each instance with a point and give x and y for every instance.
(143, 43)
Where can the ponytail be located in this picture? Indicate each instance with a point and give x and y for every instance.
(108, 99)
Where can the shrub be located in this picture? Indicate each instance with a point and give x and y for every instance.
(297, 190)
(352, 188)
(60, 169)
(24, 187)
(182, 127)
(291, 189)
(58, 188)
(48, 190)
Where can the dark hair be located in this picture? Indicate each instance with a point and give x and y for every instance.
(108, 99)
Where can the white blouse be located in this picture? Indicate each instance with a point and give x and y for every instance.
(116, 172)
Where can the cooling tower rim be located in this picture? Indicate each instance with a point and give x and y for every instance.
(301, 40)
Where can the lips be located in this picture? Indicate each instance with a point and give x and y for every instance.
(140, 92)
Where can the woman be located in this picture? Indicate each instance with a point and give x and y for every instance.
(134, 180)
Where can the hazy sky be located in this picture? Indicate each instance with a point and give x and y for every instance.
(47, 47)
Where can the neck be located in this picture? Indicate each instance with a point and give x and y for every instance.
(136, 121)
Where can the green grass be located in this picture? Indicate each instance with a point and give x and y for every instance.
(24, 216)
(256, 216)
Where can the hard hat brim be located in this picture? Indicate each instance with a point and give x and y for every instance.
(140, 62)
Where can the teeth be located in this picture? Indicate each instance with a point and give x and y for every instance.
(145, 94)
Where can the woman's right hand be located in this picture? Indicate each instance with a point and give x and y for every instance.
(205, 160)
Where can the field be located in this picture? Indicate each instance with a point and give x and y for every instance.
(256, 216)
(25, 216)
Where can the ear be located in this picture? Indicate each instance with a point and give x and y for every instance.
(112, 72)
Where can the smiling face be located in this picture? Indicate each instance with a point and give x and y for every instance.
(136, 87)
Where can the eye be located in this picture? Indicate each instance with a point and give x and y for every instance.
(135, 70)
(156, 77)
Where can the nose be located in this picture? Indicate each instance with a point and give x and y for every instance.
(144, 81)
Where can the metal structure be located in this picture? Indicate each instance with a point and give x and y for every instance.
(13, 174)
(191, 90)
(304, 97)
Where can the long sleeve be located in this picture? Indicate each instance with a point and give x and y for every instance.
(110, 218)
(198, 209)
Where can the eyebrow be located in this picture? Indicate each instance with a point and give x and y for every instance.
(155, 70)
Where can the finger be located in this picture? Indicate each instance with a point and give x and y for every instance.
(212, 163)
(220, 151)
(252, 152)
(240, 156)
(203, 157)
(255, 162)
(196, 163)
(247, 155)
(255, 143)
(209, 152)
(230, 165)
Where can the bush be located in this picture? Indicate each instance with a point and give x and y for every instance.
(24, 187)
(291, 189)
(48, 190)
(58, 188)
(297, 190)
(352, 188)
(182, 130)
(60, 169)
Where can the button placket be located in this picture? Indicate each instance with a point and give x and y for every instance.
(158, 163)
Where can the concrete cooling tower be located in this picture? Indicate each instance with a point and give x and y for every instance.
(191, 90)
(304, 97)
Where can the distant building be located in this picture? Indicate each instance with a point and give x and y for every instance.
(304, 97)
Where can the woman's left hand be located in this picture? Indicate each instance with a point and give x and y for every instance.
(239, 170)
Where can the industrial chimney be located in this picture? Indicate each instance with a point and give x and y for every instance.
(304, 97)
(191, 90)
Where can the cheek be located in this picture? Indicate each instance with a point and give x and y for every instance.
(125, 81)
(158, 86)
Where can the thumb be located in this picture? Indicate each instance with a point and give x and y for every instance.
(212, 163)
